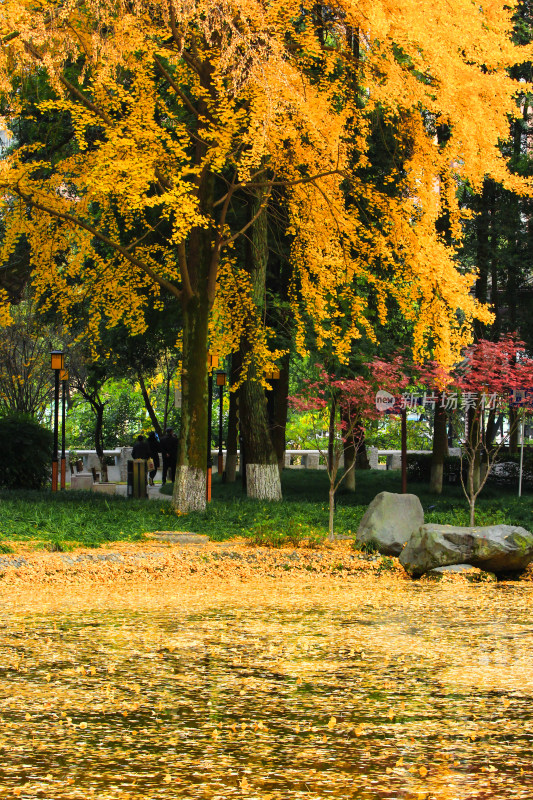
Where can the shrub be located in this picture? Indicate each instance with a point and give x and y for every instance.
(419, 467)
(270, 533)
(25, 453)
(504, 473)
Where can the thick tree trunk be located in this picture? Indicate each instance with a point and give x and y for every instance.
(440, 449)
(361, 459)
(260, 455)
(262, 481)
(253, 416)
(349, 456)
(191, 473)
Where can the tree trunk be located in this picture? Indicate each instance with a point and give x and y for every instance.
(349, 456)
(167, 401)
(98, 409)
(513, 430)
(280, 409)
(148, 405)
(232, 440)
(261, 480)
(440, 449)
(349, 474)
(331, 435)
(474, 433)
(331, 536)
(483, 249)
(361, 459)
(191, 474)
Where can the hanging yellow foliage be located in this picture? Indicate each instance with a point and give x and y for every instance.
(179, 108)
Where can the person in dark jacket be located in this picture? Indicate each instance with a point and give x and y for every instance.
(155, 449)
(169, 451)
(140, 448)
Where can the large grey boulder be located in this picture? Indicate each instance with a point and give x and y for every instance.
(389, 522)
(502, 549)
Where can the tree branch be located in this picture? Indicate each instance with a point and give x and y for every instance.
(168, 77)
(71, 88)
(27, 198)
(184, 272)
(249, 223)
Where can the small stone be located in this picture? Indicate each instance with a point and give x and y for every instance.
(472, 574)
(180, 537)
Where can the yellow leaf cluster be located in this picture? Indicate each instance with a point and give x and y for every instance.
(171, 91)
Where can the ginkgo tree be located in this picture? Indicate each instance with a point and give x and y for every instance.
(178, 110)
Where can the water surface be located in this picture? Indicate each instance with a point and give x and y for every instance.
(370, 690)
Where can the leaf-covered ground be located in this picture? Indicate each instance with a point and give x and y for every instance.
(229, 677)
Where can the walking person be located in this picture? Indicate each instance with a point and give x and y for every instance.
(139, 452)
(169, 452)
(140, 448)
(155, 448)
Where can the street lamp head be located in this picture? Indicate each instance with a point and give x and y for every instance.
(221, 378)
(57, 359)
(272, 374)
(212, 360)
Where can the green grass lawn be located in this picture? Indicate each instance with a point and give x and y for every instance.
(60, 521)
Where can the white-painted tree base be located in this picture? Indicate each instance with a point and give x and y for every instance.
(263, 481)
(189, 490)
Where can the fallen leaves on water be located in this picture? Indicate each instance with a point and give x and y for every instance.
(278, 686)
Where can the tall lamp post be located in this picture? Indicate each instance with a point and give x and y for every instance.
(64, 379)
(221, 382)
(57, 362)
(212, 363)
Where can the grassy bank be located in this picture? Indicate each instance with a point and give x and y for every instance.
(79, 518)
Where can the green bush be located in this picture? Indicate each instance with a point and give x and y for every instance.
(419, 468)
(25, 453)
(268, 533)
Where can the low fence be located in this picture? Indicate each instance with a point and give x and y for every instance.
(294, 459)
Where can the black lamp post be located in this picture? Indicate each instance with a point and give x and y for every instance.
(221, 382)
(57, 362)
(212, 363)
(64, 379)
